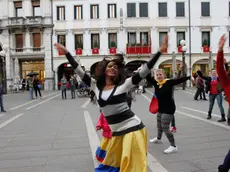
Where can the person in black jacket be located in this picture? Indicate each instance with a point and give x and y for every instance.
(215, 92)
(166, 106)
(1, 98)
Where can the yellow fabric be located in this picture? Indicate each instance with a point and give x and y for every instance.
(104, 143)
(128, 152)
(162, 82)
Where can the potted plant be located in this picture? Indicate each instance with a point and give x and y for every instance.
(113, 48)
(205, 46)
(79, 48)
(95, 48)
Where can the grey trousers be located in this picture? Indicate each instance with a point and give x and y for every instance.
(163, 124)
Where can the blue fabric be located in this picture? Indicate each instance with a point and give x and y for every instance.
(106, 168)
(100, 153)
(226, 164)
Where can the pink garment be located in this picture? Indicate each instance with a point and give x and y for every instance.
(102, 123)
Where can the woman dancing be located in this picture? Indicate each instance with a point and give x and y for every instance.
(166, 107)
(225, 82)
(128, 146)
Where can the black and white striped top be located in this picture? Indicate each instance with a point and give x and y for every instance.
(113, 103)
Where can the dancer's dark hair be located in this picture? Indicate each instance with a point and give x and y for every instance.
(100, 75)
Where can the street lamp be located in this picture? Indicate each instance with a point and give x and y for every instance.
(184, 49)
(3, 55)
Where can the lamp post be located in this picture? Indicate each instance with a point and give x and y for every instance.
(3, 55)
(184, 49)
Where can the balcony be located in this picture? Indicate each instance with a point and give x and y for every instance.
(16, 21)
(27, 51)
(139, 49)
(34, 20)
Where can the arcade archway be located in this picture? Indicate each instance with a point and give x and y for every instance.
(203, 66)
(167, 66)
(134, 65)
(93, 68)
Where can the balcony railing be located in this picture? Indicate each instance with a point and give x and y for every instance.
(16, 21)
(139, 49)
(34, 20)
(31, 50)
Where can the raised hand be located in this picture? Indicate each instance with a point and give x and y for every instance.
(222, 42)
(164, 44)
(61, 48)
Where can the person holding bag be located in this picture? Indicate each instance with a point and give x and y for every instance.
(166, 107)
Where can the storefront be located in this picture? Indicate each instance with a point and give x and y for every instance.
(33, 66)
(203, 66)
(168, 69)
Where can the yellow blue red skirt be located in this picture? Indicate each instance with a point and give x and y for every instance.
(127, 153)
(101, 151)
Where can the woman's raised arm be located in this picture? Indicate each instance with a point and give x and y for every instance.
(90, 82)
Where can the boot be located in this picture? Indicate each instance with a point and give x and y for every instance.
(209, 115)
(223, 119)
(221, 169)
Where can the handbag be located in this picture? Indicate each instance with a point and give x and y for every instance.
(40, 86)
(153, 107)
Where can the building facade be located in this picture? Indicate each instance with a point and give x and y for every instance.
(26, 31)
(92, 29)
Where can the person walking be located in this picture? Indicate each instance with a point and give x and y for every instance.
(126, 153)
(166, 107)
(1, 98)
(63, 87)
(72, 86)
(36, 85)
(200, 89)
(213, 86)
(31, 86)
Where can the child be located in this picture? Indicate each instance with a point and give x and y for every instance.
(106, 133)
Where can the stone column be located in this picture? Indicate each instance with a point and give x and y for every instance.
(8, 59)
(49, 76)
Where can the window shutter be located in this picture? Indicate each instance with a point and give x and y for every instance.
(58, 13)
(18, 4)
(108, 10)
(98, 12)
(81, 12)
(64, 12)
(37, 40)
(36, 3)
(75, 12)
(92, 41)
(134, 10)
(91, 11)
(129, 10)
(115, 10)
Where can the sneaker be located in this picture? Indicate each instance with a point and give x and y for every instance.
(171, 149)
(155, 140)
(3, 110)
(173, 130)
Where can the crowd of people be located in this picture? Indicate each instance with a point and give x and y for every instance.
(120, 149)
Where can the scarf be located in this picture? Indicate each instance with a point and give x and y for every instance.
(160, 83)
(214, 78)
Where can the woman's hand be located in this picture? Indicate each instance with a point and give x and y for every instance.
(61, 48)
(164, 45)
(222, 42)
(98, 128)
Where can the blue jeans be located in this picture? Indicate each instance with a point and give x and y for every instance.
(31, 93)
(1, 102)
(219, 98)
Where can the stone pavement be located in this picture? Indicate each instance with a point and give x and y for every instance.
(51, 135)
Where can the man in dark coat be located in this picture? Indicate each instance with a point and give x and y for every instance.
(1, 98)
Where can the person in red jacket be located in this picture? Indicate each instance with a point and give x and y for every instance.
(225, 81)
(224, 78)
(107, 135)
